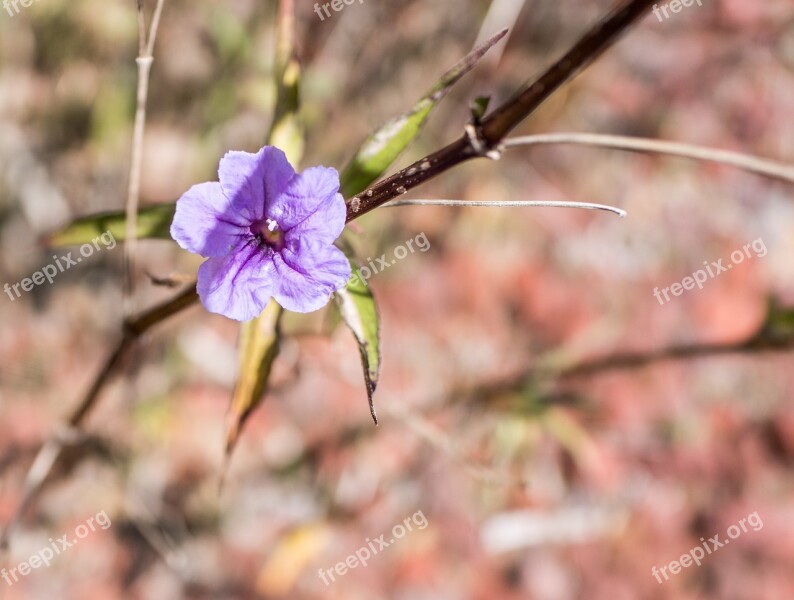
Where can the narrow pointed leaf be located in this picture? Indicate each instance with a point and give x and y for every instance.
(360, 313)
(383, 147)
(259, 346)
(153, 222)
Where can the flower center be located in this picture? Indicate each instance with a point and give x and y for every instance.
(269, 233)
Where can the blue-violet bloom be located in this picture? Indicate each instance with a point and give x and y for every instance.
(266, 232)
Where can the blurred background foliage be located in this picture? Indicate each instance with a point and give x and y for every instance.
(643, 462)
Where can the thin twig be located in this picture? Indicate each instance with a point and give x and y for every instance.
(747, 162)
(153, 28)
(144, 61)
(509, 203)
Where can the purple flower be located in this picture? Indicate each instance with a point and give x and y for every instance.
(266, 232)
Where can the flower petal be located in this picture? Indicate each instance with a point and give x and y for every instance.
(239, 285)
(311, 206)
(252, 181)
(203, 223)
(306, 279)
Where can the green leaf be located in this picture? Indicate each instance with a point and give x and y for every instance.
(360, 313)
(153, 222)
(383, 147)
(259, 347)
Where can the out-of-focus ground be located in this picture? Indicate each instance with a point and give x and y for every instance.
(549, 490)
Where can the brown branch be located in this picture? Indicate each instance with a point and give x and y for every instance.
(636, 360)
(42, 465)
(776, 334)
(133, 329)
(486, 138)
(764, 341)
(592, 45)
